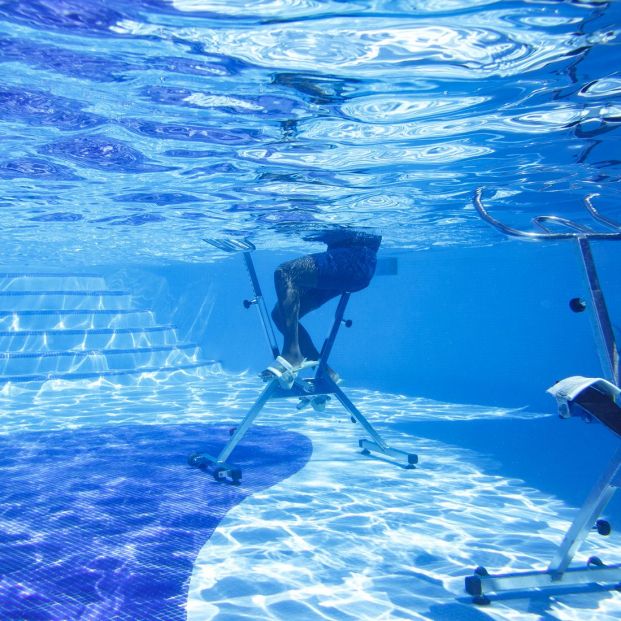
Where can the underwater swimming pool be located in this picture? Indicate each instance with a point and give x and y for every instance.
(132, 131)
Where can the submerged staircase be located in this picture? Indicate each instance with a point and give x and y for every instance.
(72, 327)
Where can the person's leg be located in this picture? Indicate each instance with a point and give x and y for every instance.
(310, 300)
(313, 300)
(291, 280)
(307, 347)
(303, 285)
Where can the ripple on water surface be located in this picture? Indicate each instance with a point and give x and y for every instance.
(432, 98)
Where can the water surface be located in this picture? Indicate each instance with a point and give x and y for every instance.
(130, 130)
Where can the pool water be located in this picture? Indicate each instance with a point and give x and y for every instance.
(132, 131)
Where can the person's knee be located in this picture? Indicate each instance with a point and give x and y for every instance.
(282, 279)
(280, 274)
(300, 273)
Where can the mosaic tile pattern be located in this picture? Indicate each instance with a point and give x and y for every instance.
(104, 523)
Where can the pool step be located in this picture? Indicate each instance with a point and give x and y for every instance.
(114, 374)
(50, 281)
(78, 338)
(93, 360)
(29, 299)
(63, 326)
(59, 319)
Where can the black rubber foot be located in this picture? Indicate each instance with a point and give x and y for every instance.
(196, 460)
(481, 600)
(472, 585)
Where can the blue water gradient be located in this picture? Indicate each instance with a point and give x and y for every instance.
(105, 523)
(371, 112)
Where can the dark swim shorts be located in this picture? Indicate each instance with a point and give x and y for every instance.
(345, 269)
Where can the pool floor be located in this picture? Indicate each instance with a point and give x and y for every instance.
(347, 536)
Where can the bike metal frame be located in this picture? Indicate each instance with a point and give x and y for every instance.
(320, 385)
(558, 573)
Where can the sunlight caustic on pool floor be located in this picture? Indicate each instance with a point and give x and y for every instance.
(346, 537)
(355, 538)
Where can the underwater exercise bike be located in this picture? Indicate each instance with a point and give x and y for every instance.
(594, 399)
(314, 392)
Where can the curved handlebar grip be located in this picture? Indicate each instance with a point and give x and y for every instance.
(579, 230)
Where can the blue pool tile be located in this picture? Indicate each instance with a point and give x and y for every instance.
(105, 523)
